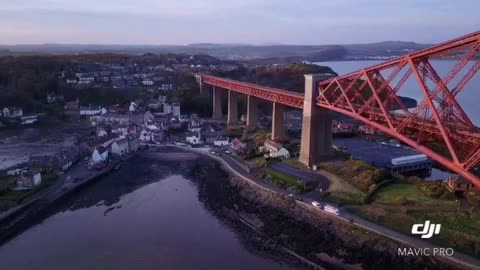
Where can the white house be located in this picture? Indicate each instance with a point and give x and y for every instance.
(16, 172)
(194, 126)
(120, 130)
(282, 153)
(176, 109)
(6, 112)
(152, 127)
(162, 99)
(221, 141)
(194, 138)
(71, 81)
(166, 87)
(29, 179)
(167, 108)
(17, 112)
(275, 150)
(86, 80)
(13, 112)
(133, 107)
(148, 82)
(120, 147)
(98, 157)
(148, 118)
(51, 98)
(102, 131)
(91, 110)
(145, 136)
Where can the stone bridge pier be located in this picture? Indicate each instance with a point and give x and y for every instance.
(217, 113)
(232, 116)
(316, 142)
(252, 115)
(278, 122)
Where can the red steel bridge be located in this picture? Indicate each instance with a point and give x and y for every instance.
(437, 127)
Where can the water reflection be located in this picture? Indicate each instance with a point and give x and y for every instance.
(149, 217)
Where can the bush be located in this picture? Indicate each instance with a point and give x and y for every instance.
(380, 175)
(473, 199)
(402, 200)
(372, 190)
(435, 190)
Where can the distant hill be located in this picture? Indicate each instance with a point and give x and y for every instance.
(216, 45)
(243, 52)
(384, 48)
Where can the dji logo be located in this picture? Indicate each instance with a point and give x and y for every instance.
(427, 230)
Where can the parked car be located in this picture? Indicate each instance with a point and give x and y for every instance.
(316, 204)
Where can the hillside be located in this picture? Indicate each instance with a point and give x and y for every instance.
(287, 76)
(264, 54)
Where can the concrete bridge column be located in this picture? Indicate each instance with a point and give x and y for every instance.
(316, 144)
(200, 83)
(217, 103)
(251, 113)
(278, 122)
(232, 117)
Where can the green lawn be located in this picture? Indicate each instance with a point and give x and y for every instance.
(15, 195)
(454, 221)
(295, 162)
(460, 231)
(12, 197)
(285, 180)
(395, 193)
(344, 198)
(48, 179)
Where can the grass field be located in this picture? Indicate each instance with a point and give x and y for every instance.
(403, 193)
(14, 195)
(459, 230)
(285, 180)
(295, 162)
(344, 198)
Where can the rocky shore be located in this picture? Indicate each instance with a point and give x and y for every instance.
(324, 241)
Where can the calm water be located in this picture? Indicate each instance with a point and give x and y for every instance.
(147, 218)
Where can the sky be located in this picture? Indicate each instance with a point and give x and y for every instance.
(240, 21)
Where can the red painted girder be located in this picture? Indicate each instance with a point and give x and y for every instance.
(461, 134)
(284, 97)
(434, 111)
(454, 44)
(473, 159)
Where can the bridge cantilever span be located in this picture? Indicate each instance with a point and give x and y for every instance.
(371, 96)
